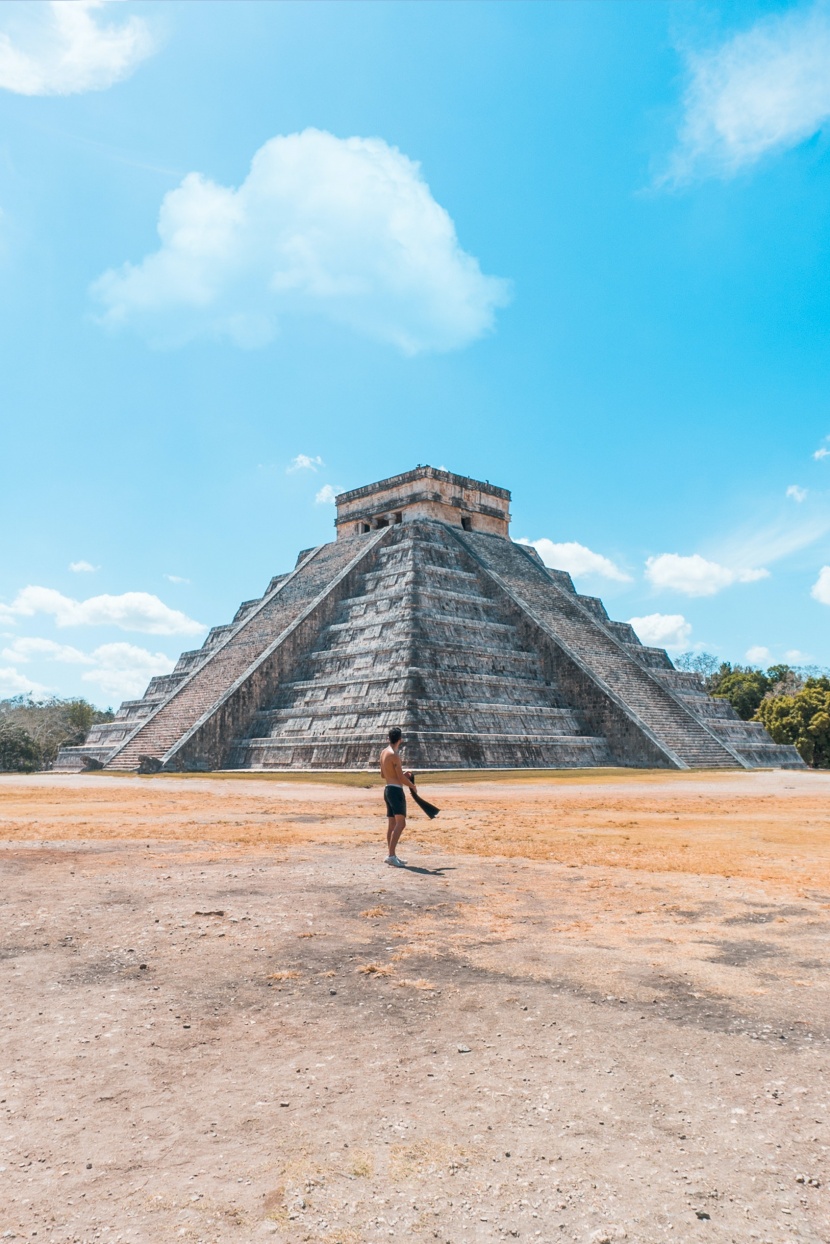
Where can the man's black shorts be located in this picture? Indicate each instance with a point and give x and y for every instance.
(395, 800)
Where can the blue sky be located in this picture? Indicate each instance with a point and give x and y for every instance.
(255, 253)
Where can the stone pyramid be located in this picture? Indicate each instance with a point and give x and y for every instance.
(423, 613)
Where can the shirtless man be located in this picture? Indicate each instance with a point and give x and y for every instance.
(393, 793)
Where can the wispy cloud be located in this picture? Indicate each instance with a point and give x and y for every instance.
(746, 555)
(823, 451)
(577, 560)
(63, 48)
(759, 655)
(303, 462)
(762, 543)
(176, 578)
(763, 89)
(83, 567)
(663, 630)
(343, 228)
(131, 611)
(327, 494)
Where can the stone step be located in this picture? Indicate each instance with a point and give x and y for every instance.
(600, 653)
(433, 749)
(507, 719)
(198, 693)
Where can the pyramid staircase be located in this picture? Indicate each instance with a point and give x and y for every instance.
(480, 653)
(423, 643)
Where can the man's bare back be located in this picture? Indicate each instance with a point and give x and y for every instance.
(391, 769)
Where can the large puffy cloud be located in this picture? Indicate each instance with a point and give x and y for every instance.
(820, 590)
(344, 228)
(131, 611)
(694, 575)
(577, 560)
(766, 88)
(62, 48)
(663, 630)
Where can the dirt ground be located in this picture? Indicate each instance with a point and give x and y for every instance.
(593, 1008)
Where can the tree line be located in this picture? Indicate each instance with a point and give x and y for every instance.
(793, 702)
(33, 731)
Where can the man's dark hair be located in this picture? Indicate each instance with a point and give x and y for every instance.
(395, 735)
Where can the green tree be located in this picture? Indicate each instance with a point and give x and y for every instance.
(19, 753)
(802, 719)
(744, 688)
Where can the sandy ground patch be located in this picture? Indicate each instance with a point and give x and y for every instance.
(594, 1007)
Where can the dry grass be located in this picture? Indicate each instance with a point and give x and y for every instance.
(374, 913)
(376, 969)
(420, 983)
(765, 826)
(288, 975)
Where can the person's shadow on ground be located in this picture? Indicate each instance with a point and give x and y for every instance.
(430, 872)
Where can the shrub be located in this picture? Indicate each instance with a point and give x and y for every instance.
(19, 753)
(743, 688)
(802, 719)
(51, 724)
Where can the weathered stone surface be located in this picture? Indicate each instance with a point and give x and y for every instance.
(424, 614)
(424, 493)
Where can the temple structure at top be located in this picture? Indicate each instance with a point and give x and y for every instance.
(423, 613)
(425, 493)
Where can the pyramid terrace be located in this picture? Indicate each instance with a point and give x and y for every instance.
(423, 613)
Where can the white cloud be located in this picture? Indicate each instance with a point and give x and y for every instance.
(62, 48)
(695, 576)
(577, 560)
(304, 463)
(12, 682)
(797, 494)
(344, 228)
(824, 452)
(764, 89)
(663, 630)
(796, 656)
(123, 670)
(176, 578)
(131, 611)
(326, 495)
(24, 649)
(119, 669)
(820, 590)
(759, 544)
(83, 567)
(759, 655)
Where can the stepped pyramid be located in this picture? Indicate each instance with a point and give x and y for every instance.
(423, 613)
